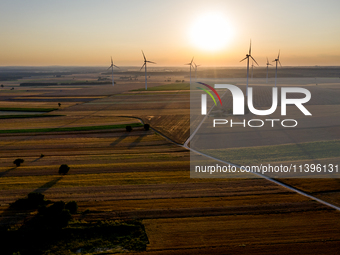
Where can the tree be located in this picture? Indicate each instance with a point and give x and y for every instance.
(128, 128)
(63, 169)
(72, 207)
(59, 104)
(63, 218)
(56, 208)
(18, 161)
(35, 199)
(2, 85)
(146, 127)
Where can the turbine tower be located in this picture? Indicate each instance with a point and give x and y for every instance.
(146, 61)
(247, 57)
(277, 60)
(111, 66)
(268, 64)
(196, 71)
(252, 67)
(191, 65)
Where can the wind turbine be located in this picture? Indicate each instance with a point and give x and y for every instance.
(111, 66)
(191, 65)
(146, 61)
(247, 57)
(268, 64)
(196, 71)
(277, 60)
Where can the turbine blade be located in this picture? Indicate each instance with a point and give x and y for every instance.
(267, 61)
(192, 60)
(244, 59)
(254, 60)
(250, 48)
(280, 63)
(278, 56)
(151, 62)
(143, 56)
(142, 67)
(115, 66)
(111, 61)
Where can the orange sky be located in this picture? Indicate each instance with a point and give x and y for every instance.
(170, 32)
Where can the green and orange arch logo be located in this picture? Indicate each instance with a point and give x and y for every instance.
(208, 92)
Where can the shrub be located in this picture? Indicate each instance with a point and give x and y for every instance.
(86, 211)
(18, 161)
(128, 128)
(35, 198)
(63, 169)
(146, 127)
(72, 207)
(54, 216)
(21, 204)
(42, 155)
(42, 209)
(33, 201)
(56, 208)
(63, 218)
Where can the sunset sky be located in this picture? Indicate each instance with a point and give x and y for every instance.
(216, 32)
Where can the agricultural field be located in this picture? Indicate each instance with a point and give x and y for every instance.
(142, 179)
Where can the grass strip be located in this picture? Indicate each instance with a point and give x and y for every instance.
(19, 116)
(173, 86)
(63, 129)
(27, 109)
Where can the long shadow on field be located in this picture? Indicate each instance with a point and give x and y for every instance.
(47, 185)
(36, 159)
(121, 138)
(7, 171)
(12, 216)
(136, 142)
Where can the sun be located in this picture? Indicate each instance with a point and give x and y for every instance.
(210, 32)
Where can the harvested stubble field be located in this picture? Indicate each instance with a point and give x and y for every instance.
(140, 175)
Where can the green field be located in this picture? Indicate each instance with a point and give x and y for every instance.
(20, 116)
(27, 109)
(86, 128)
(173, 86)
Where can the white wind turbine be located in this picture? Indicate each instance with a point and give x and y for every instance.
(191, 65)
(268, 64)
(146, 61)
(111, 66)
(277, 60)
(247, 57)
